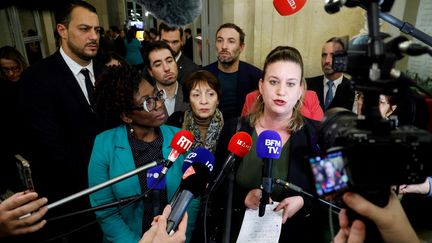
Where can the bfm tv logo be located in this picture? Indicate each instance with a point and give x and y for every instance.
(273, 146)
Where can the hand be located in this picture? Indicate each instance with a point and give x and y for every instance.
(422, 188)
(253, 198)
(157, 233)
(18, 205)
(290, 206)
(391, 221)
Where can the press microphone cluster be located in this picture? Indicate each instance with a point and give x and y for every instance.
(181, 143)
(194, 183)
(268, 147)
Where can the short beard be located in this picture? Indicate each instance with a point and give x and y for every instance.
(227, 63)
(79, 53)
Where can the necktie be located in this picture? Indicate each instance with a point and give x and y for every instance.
(89, 85)
(329, 96)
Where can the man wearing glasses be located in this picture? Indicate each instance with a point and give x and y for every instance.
(162, 67)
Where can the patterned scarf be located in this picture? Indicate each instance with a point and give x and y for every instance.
(213, 130)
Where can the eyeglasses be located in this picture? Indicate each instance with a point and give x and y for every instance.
(149, 103)
(13, 69)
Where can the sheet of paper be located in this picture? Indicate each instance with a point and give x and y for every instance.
(264, 229)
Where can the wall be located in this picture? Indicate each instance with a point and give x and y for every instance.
(306, 30)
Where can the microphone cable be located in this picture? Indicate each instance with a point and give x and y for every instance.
(116, 211)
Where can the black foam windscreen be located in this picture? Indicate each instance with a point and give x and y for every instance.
(176, 13)
(195, 182)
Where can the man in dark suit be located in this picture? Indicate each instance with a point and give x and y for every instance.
(236, 78)
(173, 36)
(161, 66)
(58, 121)
(338, 92)
(188, 44)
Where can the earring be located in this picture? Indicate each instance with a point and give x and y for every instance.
(131, 131)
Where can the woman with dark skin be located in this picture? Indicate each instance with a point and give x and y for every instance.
(134, 111)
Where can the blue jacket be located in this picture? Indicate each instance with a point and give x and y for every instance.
(111, 157)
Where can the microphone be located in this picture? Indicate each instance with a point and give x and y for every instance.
(288, 7)
(176, 13)
(300, 190)
(199, 155)
(181, 142)
(104, 184)
(239, 145)
(268, 147)
(194, 183)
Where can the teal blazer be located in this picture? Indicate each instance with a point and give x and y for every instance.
(111, 157)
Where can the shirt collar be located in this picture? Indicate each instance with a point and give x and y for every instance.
(336, 82)
(74, 66)
(178, 57)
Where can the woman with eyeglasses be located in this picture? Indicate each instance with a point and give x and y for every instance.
(203, 118)
(12, 65)
(134, 110)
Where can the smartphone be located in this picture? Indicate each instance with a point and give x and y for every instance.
(24, 172)
(330, 173)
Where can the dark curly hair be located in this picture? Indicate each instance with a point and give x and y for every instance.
(115, 92)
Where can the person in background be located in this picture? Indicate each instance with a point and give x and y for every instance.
(119, 45)
(188, 45)
(153, 33)
(14, 211)
(133, 50)
(58, 121)
(34, 53)
(340, 93)
(236, 78)
(203, 119)
(391, 221)
(162, 67)
(112, 59)
(12, 65)
(282, 88)
(173, 36)
(133, 112)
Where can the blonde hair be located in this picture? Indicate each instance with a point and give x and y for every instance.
(290, 54)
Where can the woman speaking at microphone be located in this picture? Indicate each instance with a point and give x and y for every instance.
(281, 92)
(133, 110)
(203, 119)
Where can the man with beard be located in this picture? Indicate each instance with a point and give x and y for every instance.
(162, 67)
(236, 78)
(332, 88)
(173, 36)
(59, 124)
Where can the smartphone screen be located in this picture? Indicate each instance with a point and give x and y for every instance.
(24, 172)
(329, 173)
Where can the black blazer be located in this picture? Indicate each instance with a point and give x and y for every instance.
(303, 226)
(185, 68)
(247, 81)
(59, 127)
(344, 96)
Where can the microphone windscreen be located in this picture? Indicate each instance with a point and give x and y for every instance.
(199, 155)
(269, 145)
(240, 144)
(288, 7)
(182, 141)
(195, 179)
(175, 13)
